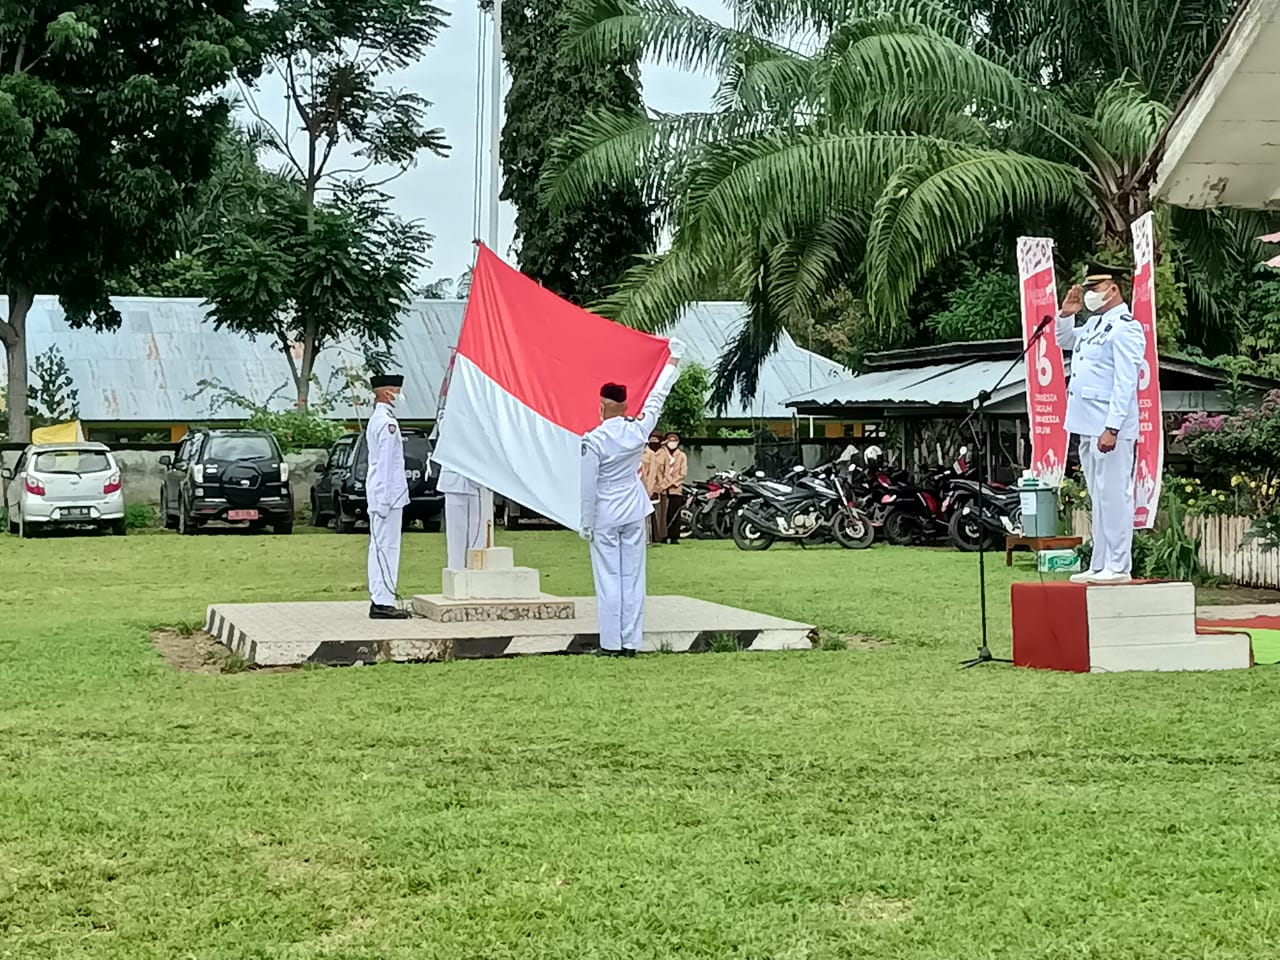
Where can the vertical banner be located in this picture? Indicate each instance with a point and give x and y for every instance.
(1046, 378)
(1150, 461)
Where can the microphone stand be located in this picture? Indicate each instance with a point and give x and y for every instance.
(980, 412)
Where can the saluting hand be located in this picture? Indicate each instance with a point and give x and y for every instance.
(1074, 301)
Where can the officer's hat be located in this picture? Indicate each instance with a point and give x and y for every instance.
(386, 380)
(1095, 273)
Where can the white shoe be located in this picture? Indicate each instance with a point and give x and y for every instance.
(1084, 576)
(1111, 576)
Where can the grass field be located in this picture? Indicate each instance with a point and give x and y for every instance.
(834, 804)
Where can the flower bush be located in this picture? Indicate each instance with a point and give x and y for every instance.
(1245, 444)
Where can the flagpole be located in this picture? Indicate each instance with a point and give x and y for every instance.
(495, 188)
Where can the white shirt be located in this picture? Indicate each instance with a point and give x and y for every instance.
(386, 487)
(1107, 352)
(613, 493)
(452, 482)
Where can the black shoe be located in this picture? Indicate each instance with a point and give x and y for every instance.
(629, 653)
(602, 652)
(378, 611)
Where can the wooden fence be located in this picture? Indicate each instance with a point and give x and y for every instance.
(1223, 550)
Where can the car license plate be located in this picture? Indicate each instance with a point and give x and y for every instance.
(75, 511)
(242, 514)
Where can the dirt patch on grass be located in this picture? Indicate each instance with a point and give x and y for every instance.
(873, 908)
(858, 641)
(194, 651)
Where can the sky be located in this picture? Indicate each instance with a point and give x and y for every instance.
(441, 191)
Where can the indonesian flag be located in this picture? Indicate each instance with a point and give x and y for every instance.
(525, 388)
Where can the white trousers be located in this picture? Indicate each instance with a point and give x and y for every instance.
(384, 556)
(464, 520)
(617, 565)
(1109, 480)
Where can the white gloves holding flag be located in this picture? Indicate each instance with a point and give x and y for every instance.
(676, 347)
(586, 534)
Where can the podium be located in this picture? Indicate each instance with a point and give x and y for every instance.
(1113, 628)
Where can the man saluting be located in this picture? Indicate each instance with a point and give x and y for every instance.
(616, 506)
(387, 494)
(1107, 351)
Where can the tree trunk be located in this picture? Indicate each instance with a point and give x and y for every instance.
(14, 335)
(310, 340)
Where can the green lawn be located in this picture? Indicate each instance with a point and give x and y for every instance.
(861, 803)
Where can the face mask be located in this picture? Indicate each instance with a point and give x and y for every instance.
(672, 444)
(1093, 301)
(654, 444)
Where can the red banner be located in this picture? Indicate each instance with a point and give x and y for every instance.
(1046, 379)
(1150, 461)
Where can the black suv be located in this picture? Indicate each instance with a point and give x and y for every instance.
(233, 476)
(338, 495)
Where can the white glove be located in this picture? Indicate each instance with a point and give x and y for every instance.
(676, 347)
(587, 534)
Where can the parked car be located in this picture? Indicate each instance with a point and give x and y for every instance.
(338, 495)
(230, 476)
(65, 485)
(512, 515)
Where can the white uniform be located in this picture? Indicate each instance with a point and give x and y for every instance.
(387, 493)
(464, 516)
(1107, 354)
(615, 508)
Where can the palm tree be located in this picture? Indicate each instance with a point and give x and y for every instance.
(863, 143)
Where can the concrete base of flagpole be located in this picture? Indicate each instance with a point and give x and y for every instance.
(341, 633)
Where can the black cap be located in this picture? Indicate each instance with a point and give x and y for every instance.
(1095, 272)
(615, 392)
(387, 380)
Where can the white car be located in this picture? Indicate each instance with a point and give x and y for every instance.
(62, 485)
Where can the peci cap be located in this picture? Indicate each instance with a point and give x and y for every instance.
(615, 392)
(386, 380)
(1095, 272)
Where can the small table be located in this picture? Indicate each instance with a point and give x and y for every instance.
(1036, 544)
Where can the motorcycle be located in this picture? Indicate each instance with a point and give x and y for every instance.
(708, 506)
(1001, 515)
(919, 512)
(816, 508)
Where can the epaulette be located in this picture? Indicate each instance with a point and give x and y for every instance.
(631, 419)
(1126, 316)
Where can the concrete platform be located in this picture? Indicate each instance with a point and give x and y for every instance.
(281, 634)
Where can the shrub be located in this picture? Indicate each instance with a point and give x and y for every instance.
(139, 516)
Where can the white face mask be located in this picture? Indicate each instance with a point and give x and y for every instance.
(1093, 301)
(672, 444)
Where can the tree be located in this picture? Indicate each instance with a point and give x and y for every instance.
(109, 113)
(310, 273)
(581, 250)
(313, 253)
(685, 411)
(53, 396)
(874, 157)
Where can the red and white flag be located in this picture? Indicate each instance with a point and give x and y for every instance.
(1046, 378)
(525, 387)
(1150, 461)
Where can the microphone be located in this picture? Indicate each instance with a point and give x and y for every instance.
(1040, 328)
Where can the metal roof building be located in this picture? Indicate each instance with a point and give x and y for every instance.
(943, 381)
(1222, 144)
(147, 371)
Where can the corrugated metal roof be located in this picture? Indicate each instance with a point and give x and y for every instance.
(932, 385)
(147, 370)
(1222, 146)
